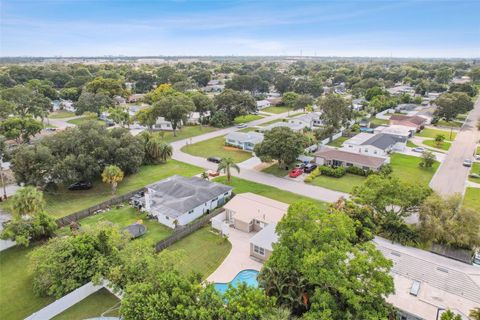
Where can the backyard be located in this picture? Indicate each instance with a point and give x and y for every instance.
(338, 142)
(215, 147)
(97, 304)
(407, 168)
(186, 132)
(471, 198)
(378, 122)
(82, 120)
(241, 186)
(247, 118)
(432, 133)
(123, 217)
(277, 109)
(343, 184)
(445, 145)
(61, 114)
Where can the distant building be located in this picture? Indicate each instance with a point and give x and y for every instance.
(297, 127)
(119, 100)
(262, 104)
(162, 125)
(416, 122)
(136, 97)
(244, 140)
(399, 130)
(377, 145)
(308, 120)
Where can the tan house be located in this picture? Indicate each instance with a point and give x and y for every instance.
(416, 122)
(337, 158)
(261, 243)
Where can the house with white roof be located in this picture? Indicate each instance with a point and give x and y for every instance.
(396, 130)
(297, 127)
(177, 200)
(377, 145)
(262, 104)
(162, 125)
(308, 120)
(244, 140)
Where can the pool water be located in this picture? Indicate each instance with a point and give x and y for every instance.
(248, 276)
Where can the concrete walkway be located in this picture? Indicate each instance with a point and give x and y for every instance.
(238, 259)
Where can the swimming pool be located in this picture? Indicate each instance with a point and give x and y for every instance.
(249, 276)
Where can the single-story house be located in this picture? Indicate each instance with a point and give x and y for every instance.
(194, 117)
(427, 284)
(297, 127)
(178, 200)
(262, 104)
(377, 145)
(119, 100)
(244, 140)
(416, 122)
(357, 104)
(400, 89)
(405, 107)
(334, 157)
(135, 97)
(162, 125)
(396, 130)
(309, 120)
(261, 243)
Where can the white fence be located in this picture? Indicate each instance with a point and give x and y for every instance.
(219, 224)
(385, 114)
(332, 138)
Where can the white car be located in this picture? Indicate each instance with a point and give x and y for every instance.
(467, 163)
(242, 125)
(418, 149)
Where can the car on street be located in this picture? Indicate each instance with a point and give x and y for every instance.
(310, 167)
(467, 163)
(80, 185)
(295, 173)
(214, 159)
(418, 149)
(241, 125)
(212, 173)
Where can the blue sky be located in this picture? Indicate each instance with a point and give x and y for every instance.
(323, 28)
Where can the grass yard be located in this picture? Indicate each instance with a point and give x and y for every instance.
(65, 202)
(277, 109)
(123, 217)
(276, 170)
(17, 300)
(61, 114)
(343, 184)
(92, 306)
(215, 147)
(338, 142)
(443, 146)
(247, 118)
(475, 169)
(79, 121)
(241, 186)
(378, 122)
(186, 132)
(432, 133)
(202, 251)
(472, 198)
(478, 150)
(406, 168)
(410, 144)
(443, 123)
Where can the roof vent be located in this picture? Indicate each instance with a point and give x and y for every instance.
(415, 288)
(395, 253)
(442, 269)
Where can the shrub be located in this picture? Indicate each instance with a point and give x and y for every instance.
(359, 171)
(23, 231)
(315, 173)
(333, 172)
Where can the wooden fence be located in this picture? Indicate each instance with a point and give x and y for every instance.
(65, 221)
(184, 231)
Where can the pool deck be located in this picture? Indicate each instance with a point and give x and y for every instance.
(237, 260)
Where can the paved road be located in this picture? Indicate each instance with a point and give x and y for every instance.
(452, 175)
(252, 175)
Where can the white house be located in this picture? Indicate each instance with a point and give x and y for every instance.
(244, 140)
(377, 145)
(178, 200)
(396, 130)
(162, 125)
(293, 126)
(262, 104)
(357, 104)
(309, 120)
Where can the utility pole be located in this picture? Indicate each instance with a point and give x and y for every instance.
(3, 180)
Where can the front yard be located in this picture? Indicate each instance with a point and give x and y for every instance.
(61, 114)
(432, 133)
(276, 170)
(82, 120)
(277, 109)
(215, 147)
(186, 132)
(475, 169)
(454, 124)
(247, 118)
(445, 145)
(471, 199)
(123, 217)
(241, 186)
(343, 184)
(64, 202)
(406, 168)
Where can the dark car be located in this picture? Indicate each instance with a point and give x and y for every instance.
(309, 167)
(214, 159)
(81, 185)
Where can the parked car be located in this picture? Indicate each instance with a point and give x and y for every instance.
(477, 157)
(241, 125)
(80, 185)
(418, 149)
(467, 163)
(212, 173)
(309, 167)
(295, 172)
(214, 159)
(300, 165)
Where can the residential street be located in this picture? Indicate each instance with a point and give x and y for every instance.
(311, 191)
(452, 175)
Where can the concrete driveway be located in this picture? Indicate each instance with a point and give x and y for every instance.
(238, 259)
(451, 177)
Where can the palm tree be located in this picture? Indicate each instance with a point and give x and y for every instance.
(27, 201)
(225, 165)
(439, 138)
(166, 151)
(204, 175)
(112, 175)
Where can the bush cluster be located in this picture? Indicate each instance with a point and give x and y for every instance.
(337, 172)
(359, 171)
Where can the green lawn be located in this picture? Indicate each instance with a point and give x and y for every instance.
(241, 186)
(202, 251)
(432, 133)
(475, 169)
(17, 300)
(96, 304)
(478, 150)
(343, 184)
(462, 117)
(338, 142)
(65, 202)
(378, 122)
(246, 118)
(406, 168)
(186, 132)
(79, 121)
(277, 109)
(123, 217)
(61, 114)
(410, 144)
(443, 123)
(276, 170)
(443, 146)
(215, 147)
(472, 198)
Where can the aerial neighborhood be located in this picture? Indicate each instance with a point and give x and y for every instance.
(235, 187)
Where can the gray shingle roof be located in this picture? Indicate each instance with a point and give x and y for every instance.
(383, 140)
(252, 137)
(177, 195)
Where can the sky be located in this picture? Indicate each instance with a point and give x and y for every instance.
(358, 28)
